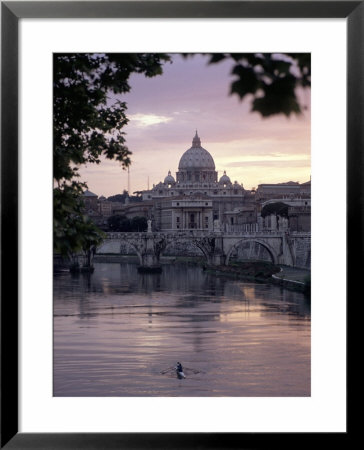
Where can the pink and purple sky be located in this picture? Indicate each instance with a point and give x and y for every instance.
(165, 112)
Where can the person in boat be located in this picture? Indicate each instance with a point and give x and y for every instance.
(179, 371)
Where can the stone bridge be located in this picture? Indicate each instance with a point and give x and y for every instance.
(291, 249)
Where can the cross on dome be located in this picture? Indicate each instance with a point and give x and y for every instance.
(196, 142)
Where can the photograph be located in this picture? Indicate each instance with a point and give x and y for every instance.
(181, 224)
(160, 287)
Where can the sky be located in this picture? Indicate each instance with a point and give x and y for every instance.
(165, 112)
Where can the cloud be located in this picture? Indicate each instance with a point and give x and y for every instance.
(147, 120)
(281, 163)
(235, 161)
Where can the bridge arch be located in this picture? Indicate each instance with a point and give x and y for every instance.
(203, 250)
(133, 245)
(264, 244)
(180, 241)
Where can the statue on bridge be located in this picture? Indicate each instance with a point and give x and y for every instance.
(217, 226)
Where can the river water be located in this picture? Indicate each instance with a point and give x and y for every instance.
(120, 333)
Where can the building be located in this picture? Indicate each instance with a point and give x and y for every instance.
(137, 209)
(197, 198)
(105, 207)
(299, 217)
(289, 190)
(90, 203)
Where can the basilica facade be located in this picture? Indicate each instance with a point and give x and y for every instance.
(197, 198)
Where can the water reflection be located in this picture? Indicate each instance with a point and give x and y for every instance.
(115, 331)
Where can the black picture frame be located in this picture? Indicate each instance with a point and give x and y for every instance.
(11, 12)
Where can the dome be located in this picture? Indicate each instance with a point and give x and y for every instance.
(88, 193)
(224, 179)
(169, 179)
(196, 157)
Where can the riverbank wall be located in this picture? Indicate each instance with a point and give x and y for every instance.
(301, 250)
(290, 284)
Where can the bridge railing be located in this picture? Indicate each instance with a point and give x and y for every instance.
(202, 233)
(242, 228)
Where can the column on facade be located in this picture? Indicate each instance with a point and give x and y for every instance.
(273, 221)
(284, 223)
(260, 223)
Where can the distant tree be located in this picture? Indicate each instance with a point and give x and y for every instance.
(139, 224)
(277, 208)
(92, 236)
(119, 223)
(123, 224)
(122, 197)
(118, 197)
(73, 231)
(135, 198)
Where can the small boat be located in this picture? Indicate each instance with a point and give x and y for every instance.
(179, 371)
